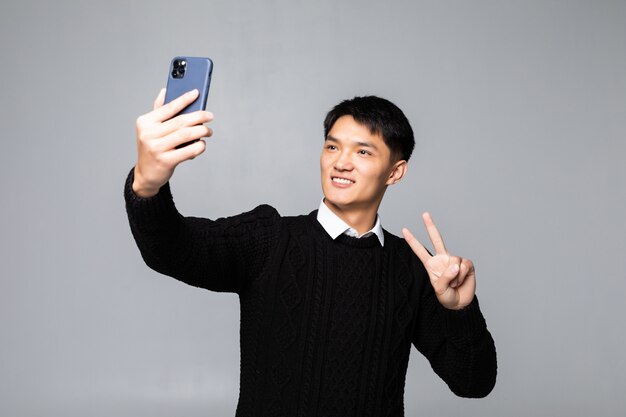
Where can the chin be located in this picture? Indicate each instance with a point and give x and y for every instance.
(329, 198)
(340, 201)
(336, 197)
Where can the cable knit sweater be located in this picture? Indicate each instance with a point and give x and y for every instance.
(326, 325)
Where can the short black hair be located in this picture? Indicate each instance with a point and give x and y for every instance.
(380, 116)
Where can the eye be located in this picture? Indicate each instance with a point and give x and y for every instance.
(331, 147)
(364, 152)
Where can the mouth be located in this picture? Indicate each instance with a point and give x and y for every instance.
(343, 181)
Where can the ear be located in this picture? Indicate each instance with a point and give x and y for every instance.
(397, 172)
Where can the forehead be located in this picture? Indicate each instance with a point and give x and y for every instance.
(349, 131)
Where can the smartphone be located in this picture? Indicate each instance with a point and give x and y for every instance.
(185, 74)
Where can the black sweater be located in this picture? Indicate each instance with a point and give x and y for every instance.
(326, 325)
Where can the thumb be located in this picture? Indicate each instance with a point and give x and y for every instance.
(446, 278)
(158, 102)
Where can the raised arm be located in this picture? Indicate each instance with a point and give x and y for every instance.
(220, 255)
(451, 330)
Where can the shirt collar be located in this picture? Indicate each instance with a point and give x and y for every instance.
(334, 226)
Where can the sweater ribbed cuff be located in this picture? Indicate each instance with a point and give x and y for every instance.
(149, 211)
(466, 322)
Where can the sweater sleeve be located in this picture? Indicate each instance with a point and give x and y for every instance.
(220, 255)
(457, 344)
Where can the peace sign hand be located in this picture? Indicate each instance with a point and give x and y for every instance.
(453, 278)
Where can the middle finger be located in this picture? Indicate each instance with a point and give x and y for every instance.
(181, 121)
(433, 233)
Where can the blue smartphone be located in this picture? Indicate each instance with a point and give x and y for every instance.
(185, 74)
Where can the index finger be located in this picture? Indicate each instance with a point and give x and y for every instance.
(416, 246)
(434, 234)
(171, 109)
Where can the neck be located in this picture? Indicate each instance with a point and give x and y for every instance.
(360, 219)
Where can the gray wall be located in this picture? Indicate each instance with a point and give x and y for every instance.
(519, 109)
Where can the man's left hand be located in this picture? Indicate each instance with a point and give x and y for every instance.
(453, 278)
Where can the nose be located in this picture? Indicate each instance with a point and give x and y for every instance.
(343, 162)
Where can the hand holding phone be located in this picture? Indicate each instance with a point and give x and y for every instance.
(164, 133)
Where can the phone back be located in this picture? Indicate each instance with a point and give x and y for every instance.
(185, 74)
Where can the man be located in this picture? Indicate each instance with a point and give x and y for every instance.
(330, 302)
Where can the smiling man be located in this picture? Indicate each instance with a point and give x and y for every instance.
(330, 301)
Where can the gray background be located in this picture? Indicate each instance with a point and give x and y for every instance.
(519, 110)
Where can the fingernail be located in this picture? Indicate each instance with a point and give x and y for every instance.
(193, 92)
(454, 268)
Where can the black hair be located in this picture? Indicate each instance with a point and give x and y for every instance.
(380, 116)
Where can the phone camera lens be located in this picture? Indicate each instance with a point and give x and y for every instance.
(178, 68)
(178, 73)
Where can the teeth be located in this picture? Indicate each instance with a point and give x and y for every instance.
(342, 180)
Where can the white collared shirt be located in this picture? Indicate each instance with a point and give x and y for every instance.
(334, 226)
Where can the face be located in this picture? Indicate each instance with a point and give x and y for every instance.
(356, 166)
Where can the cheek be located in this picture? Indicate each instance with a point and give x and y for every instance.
(376, 175)
(325, 166)
(370, 170)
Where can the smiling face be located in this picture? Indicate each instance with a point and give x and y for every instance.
(356, 167)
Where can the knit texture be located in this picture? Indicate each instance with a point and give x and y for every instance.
(326, 325)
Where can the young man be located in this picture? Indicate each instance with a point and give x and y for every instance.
(330, 301)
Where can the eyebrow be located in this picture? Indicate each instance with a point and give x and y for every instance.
(363, 144)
